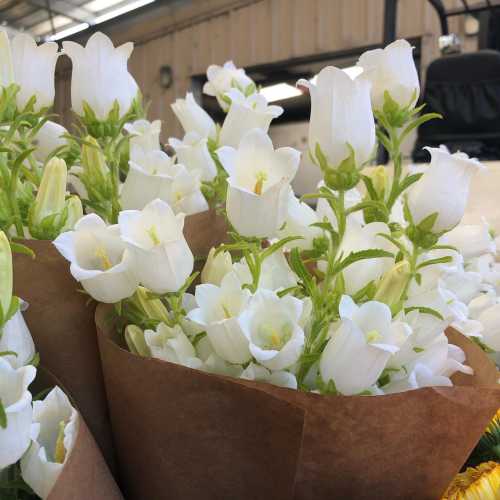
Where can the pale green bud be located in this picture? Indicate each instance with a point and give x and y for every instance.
(5, 275)
(393, 285)
(74, 213)
(136, 342)
(152, 308)
(52, 191)
(380, 179)
(93, 162)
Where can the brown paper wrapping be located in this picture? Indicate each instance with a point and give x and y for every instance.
(61, 321)
(204, 231)
(182, 433)
(85, 475)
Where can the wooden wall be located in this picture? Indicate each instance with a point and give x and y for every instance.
(195, 34)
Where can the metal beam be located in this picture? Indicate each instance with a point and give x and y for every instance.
(442, 14)
(66, 9)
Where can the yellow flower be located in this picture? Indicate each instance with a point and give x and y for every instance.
(480, 483)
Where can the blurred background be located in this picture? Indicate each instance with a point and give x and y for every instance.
(457, 44)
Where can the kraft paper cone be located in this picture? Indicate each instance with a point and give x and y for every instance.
(204, 231)
(85, 475)
(182, 433)
(61, 321)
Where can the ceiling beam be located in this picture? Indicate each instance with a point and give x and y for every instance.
(66, 9)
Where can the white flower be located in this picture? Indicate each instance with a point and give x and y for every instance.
(216, 267)
(259, 180)
(172, 344)
(490, 319)
(222, 78)
(34, 67)
(57, 425)
(185, 193)
(443, 189)
(16, 401)
(16, 337)
(150, 176)
(245, 114)
(145, 137)
(275, 273)
(471, 240)
(341, 117)
(391, 69)
(163, 260)
(218, 311)
(259, 373)
(193, 153)
(271, 325)
(212, 363)
(356, 238)
(100, 76)
(193, 117)
(49, 138)
(299, 222)
(99, 259)
(359, 349)
(6, 65)
(465, 285)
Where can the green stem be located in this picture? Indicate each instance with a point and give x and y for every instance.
(396, 157)
(14, 205)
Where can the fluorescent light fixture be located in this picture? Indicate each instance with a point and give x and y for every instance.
(280, 91)
(121, 10)
(69, 31)
(100, 5)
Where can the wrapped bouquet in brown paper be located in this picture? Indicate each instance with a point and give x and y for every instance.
(46, 449)
(312, 360)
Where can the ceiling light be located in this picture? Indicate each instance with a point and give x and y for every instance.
(69, 31)
(280, 91)
(121, 10)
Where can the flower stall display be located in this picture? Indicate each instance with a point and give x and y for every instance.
(46, 449)
(256, 381)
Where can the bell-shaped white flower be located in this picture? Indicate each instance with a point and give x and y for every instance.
(171, 344)
(259, 180)
(271, 324)
(299, 222)
(48, 139)
(193, 117)
(16, 337)
(185, 192)
(280, 378)
(100, 76)
(99, 259)
(472, 240)
(490, 320)
(150, 176)
(16, 401)
(144, 137)
(357, 238)
(34, 67)
(217, 312)
(222, 78)
(361, 346)
(341, 117)
(245, 114)
(213, 363)
(443, 189)
(275, 274)
(464, 284)
(216, 267)
(163, 259)
(193, 153)
(391, 69)
(6, 64)
(57, 423)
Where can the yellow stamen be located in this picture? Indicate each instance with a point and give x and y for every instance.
(275, 339)
(227, 314)
(259, 184)
(104, 258)
(60, 451)
(373, 336)
(153, 234)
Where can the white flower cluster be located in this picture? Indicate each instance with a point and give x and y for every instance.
(38, 434)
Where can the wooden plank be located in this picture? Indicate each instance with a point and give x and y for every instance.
(281, 19)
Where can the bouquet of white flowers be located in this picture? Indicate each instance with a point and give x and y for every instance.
(46, 450)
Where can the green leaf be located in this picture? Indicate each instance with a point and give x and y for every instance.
(425, 310)
(395, 242)
(279, 244)
(427, 224)
(301, 270)
(408, 181)
(417, 122)
(8, 353)
(370, 188)
(322, 160)
(418, 350)
(3, 416)
(432, 262)
(372, 253)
